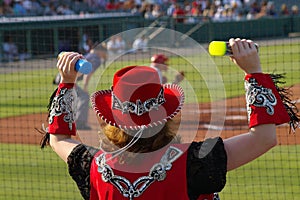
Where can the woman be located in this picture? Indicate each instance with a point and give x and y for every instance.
(140, 116)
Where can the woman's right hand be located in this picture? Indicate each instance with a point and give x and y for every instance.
(245, 55)
(66, 66)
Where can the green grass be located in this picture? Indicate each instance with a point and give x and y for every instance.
(28, 91)
(30, 173)
(25, 92)
(275, 175)
(27, 172)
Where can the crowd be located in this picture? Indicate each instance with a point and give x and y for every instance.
(184, 11)
(189, 11)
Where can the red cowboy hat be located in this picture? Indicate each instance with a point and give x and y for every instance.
(137, 99)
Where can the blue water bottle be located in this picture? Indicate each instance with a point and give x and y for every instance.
(82, 65)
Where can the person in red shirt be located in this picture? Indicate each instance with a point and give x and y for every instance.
(140, 155)
(196, 9)
(179, 14)
(111, 5)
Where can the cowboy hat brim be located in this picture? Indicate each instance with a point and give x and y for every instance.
(102, 105)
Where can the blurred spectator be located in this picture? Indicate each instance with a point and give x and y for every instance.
(140, 44)
(240, 16)
(64, 9)
(171, 8)
(111, 5)
(129, 5)
(254, 10)
(86, 43)
(209, 4)
(179, 14)
(196, 9)
(136, 10)
(209, 10)
(121, 43)
(230, 14)
(187, 8)
(271, 9)
(10, 49)
(44, 3)
(18, 8)
(284, 11)
(192, 12)
(148, 12)
(219, 15)
(236, 11)
(111, 45)
(50, 9)
(96, 5)
(6, 9)
(295, 10)
(27, 4)
(37, 8)
(8, 2)
(157, 12)
(79, 7)
(139, 2)
(1, 9)
(116, 45)
(120, 6)
(232, 3)
(33, 7)
(262, 12)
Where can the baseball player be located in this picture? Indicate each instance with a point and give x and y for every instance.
(160, 63)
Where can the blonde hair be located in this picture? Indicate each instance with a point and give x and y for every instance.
(113, 137)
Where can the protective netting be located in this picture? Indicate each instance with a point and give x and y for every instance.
(214, 88)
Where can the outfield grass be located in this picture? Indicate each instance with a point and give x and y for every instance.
(27, 172)
(30, 173)
(275, 175)
(28, 91)
(25, 92)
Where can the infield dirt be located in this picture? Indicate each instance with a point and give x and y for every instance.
(21, 129)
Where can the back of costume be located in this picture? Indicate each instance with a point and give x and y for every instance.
(166, 179)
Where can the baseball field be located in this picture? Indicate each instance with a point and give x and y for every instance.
(27, 172)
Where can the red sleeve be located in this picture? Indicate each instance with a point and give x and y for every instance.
(62, 111)
(264, 104)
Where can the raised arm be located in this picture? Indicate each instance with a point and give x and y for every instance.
(61, 112)
(264, 107)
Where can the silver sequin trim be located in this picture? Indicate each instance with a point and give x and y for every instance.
(131, 190)
(259, 96)
(139, 107)
(63, 103)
